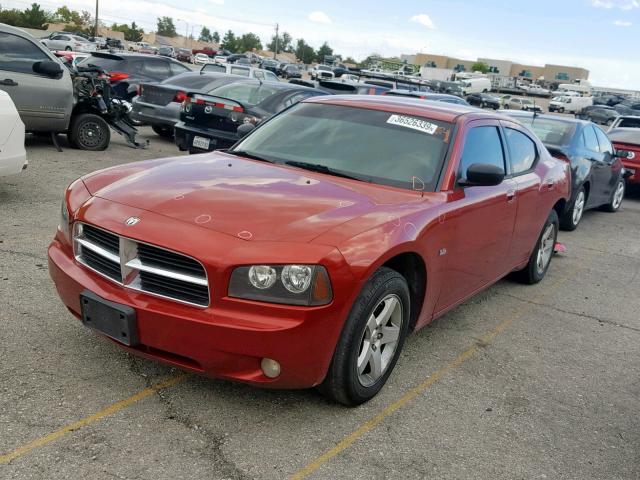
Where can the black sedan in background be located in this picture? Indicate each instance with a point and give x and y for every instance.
(291, 71)
(598, 114)
(597, 173)
(159, 105)
(483, 100)
(209, 122)
(136, 68)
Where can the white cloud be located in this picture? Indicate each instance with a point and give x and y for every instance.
(630, 5)
(319, 17)
(622, 23)
(423, 19)
(217, 2)
(602, 4)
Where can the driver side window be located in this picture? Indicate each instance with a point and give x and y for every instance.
(482, 145)
(604, 143)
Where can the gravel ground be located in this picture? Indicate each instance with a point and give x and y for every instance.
(517, 383)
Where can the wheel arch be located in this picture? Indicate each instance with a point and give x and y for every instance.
(413, 268)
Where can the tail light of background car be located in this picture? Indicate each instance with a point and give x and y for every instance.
(180, 97)
(118, 76)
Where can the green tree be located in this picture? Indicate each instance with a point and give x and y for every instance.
(248, 42)
(205, 35)
(323, 51)
(166, 27)
(349, 60)
(304, 51)
(35, 17)
(11, 17)
(131, 33)
(216, 37)
(285, 43)
(480, 67)
(229, 42)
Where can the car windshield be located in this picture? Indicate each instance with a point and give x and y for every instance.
(189, 80)
(549, 131)
(401, 150)
(526, 102)
(250, 94)
(291, 68)
(79, 39)
(629, 123)
(102, 62)
(165, 49)
(324, 67)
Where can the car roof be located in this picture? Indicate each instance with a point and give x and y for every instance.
(624, 135)
(447, 112)
(127, 55)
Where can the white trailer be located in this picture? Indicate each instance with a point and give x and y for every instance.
(441, 74)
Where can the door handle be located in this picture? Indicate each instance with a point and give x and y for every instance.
(511, 195)
(8, 82)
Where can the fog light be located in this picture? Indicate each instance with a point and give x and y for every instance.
(270, 368)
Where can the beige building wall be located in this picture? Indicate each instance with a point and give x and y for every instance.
(452, 63)
(440, 61)
(561, 73)
(533, 72)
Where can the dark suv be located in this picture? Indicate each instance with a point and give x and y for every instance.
(139, 68)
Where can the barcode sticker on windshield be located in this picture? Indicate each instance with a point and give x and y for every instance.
(414, 123)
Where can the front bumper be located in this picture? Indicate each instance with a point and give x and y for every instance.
(219, 139)
(229, 338)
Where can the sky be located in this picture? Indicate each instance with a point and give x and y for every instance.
(599, 35)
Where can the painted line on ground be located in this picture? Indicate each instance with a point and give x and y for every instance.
(485, 340)
(72, 427)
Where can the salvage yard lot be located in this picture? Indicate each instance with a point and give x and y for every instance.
(518, 382)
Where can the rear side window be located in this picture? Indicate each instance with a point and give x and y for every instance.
(589, 138)
(156, 69)
(18, 54)
(271, 76)
(109, 64)
(239, 71)
(482, 145)
(522, 150)
(603, 142)
(177, 68)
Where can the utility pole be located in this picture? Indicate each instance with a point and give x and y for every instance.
(275, 54)
(95, 32)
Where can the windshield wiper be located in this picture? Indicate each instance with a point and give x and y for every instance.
(252, 156)
(316, 167)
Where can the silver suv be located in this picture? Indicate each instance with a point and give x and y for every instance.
(39, 85)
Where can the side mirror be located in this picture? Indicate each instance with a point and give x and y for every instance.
(484, 175)
(49, 68)
(245, 129)
(624, 154)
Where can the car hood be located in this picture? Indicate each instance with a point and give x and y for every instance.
(248, 199)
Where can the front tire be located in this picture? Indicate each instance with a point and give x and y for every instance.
(561, 110)
(371, 340)
(616, 198)
(89, 132)
(540, 258)
(571, 218)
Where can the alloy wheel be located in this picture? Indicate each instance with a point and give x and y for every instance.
(379, 340)
(618, 195)
(578, 208)
(545, 250)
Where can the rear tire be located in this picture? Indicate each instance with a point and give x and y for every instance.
(571, 218)
(164, 132)
(540, 258)
(616, 198)
(89, 132)
(363, 360)
(561, 110)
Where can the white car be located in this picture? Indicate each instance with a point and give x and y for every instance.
(523, 104)
(136, 46)
(68, 42)
(535, 89)
(13, 157)
(201, 59)
(322, 72)
(241, 70)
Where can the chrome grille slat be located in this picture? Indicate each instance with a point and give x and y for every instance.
(140, 266)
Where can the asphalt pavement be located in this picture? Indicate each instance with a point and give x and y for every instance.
(520, 382)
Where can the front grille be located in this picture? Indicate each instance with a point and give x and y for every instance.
(141, 266)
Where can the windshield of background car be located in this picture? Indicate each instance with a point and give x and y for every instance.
(104, 63)
(189, 80)
(246, 93)
(629, 123)
(324, 68)
(381, 147)
(550, 132)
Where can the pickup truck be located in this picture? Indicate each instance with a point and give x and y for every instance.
(137, 46)
(210, 52)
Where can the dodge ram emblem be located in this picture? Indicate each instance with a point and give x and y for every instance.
(131, 221)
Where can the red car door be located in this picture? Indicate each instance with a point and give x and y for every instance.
(479, 220)
(523, 154)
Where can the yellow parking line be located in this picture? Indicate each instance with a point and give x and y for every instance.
(347, 441)
(53, 436)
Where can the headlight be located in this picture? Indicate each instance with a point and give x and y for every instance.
(64, 219)
(288, 284)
